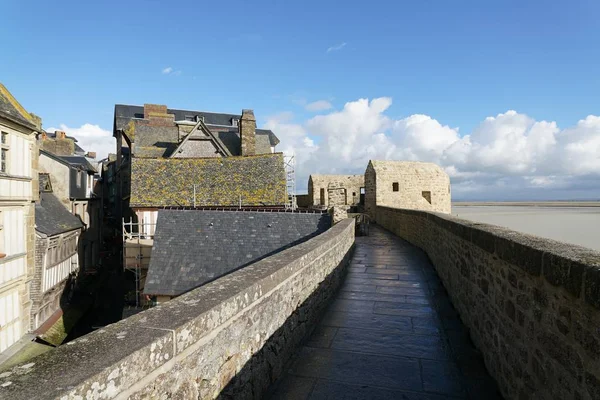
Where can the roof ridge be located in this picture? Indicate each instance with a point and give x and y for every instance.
(15, 103)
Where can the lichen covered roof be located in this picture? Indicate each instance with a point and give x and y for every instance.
(254, 181)
(13, 110)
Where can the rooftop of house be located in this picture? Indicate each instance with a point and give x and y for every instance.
(251, 181)
(162, 140)
(193, 247)
(12, 110)
(74, 161)
(51, 216)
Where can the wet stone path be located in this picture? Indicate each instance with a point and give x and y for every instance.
(391, 333)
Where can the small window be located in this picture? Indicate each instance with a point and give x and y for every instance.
(78, 179)
(234, 122)
(4, 152)
(199, 118)
(4, 160)
(427, 196)
(322, 195)
(395, 187)
(191, 118)
(353, 194)
(362, 190)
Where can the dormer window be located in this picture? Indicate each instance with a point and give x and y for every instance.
(199, 118)
(191, 118)
(234, 122)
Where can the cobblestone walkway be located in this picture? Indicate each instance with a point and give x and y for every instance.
(391, 333)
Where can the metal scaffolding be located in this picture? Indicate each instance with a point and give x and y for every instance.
(137, 243)
(290, 180)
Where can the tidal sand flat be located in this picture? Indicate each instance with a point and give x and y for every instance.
(577, 225)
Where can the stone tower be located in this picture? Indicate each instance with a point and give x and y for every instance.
(247, 127)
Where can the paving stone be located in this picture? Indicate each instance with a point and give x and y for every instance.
(390, 343)
(293, 388)
(372, 296)
(441, 377)
(408, 310)
(352, 305)
(367, 321)
(350, 287)
(356, 279)
(362, 369)
(322, 336)
(328, 390)
(407, 290)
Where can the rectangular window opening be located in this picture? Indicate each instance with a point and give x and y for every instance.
(395, 187)
(427, 196)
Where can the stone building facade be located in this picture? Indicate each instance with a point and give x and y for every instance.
(168, 158)
(335, 190)
(407, 184)
(18, 193)
(73, 178)
(58, 235)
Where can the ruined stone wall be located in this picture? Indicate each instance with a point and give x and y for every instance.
(532, 305)
(230, 337)
(351, 184)
(407, 184)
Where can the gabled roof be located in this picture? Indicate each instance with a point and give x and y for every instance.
(79, 162)
(52, 217)
(11, 109)
(71, 161)
(161, 141)
(193, 247)
(200, 126)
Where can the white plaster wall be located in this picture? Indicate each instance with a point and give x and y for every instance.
(59, 175)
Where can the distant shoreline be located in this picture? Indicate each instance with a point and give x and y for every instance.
(591, 203)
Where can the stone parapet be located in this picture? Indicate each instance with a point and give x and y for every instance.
(532, 305)
(230, 337)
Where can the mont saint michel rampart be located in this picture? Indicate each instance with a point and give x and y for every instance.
(185, 265)
(384, 200)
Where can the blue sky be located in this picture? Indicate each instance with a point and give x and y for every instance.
(457, 62)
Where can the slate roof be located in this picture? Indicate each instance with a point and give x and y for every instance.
(193, 247)
(52, 217)
(163, 182)
(161, 141)
(12, 110)
(79, 161)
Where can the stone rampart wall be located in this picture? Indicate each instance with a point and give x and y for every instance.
(230, 337)
(532, 305)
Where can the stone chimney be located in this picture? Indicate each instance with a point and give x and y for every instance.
(158, 116)
(91, 154)
(247, 128)
(60, 134)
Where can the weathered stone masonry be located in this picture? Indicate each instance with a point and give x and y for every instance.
(212, 341)
(532, 305)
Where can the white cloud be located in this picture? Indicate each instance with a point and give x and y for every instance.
(336, 47)
(91, 138)
(319, 105)
(171, 71)
(507, 156)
